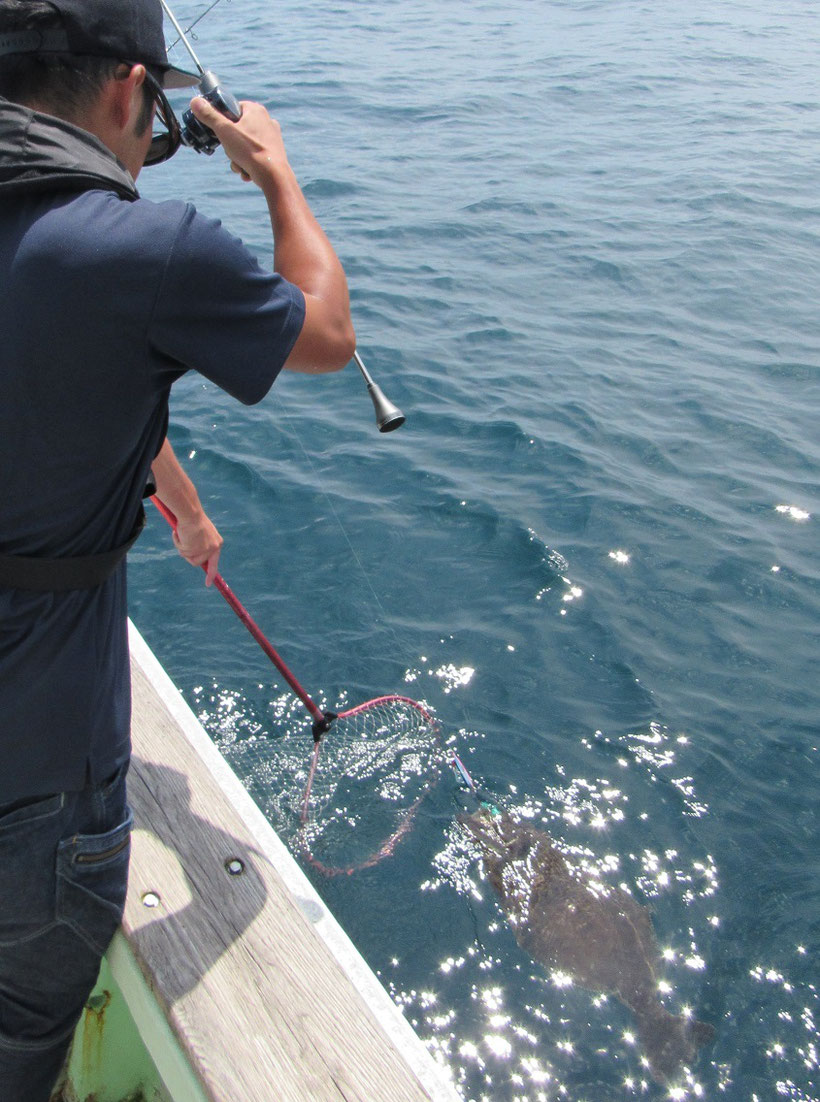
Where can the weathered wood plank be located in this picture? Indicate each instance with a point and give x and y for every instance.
(263, 1008)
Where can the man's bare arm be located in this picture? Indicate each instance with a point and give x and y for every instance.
(302, 252)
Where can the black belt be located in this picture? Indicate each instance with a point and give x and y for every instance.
(59, 575)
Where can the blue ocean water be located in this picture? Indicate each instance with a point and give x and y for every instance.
(582, 239)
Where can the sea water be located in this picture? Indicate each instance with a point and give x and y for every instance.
(583, 244)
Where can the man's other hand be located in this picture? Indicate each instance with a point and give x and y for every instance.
(197, 540)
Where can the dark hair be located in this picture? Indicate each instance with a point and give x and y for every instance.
(65, 85)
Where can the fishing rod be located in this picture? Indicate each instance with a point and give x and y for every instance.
(198, 19)
(201, 138)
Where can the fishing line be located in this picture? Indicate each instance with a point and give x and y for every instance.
(318, 482)
(461, 774)
(370, 768)
(388, 418)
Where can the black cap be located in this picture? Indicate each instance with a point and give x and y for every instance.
(128, 30)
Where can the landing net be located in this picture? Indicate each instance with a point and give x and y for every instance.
(368, 776)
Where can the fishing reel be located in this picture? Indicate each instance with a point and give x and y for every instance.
(194, 133)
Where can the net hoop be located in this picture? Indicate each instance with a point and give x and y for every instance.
(388, 846)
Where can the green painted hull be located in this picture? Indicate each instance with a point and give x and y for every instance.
(124, 1049)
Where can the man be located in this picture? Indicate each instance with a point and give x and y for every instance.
(106, 300)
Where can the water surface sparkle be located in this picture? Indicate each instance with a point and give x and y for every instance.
(586, 269)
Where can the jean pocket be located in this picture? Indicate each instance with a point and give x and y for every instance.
(92, 879)
(29, 836)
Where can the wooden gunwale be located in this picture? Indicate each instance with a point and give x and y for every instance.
(265, 994)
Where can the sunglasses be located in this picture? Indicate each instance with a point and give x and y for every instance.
(166, 142)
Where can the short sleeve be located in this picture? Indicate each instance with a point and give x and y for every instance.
(219, 313)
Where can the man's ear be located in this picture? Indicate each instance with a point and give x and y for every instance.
(125, 94)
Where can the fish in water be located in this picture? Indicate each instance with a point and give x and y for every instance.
(602, 938)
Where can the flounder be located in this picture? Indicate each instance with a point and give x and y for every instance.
(604, 940)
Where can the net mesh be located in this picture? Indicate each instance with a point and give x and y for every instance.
(367, 779)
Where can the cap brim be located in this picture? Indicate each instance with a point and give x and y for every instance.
(178, 78)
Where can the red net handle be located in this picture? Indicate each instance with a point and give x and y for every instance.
(253, 628)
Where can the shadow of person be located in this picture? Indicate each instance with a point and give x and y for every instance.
(195, 886)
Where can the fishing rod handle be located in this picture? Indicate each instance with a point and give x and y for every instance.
(360, 364)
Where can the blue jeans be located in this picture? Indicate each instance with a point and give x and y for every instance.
(63, 878)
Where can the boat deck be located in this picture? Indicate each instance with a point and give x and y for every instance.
(265, 994)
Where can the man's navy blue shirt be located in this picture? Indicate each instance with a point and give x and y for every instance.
(104, 304)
